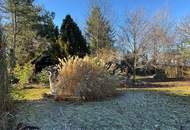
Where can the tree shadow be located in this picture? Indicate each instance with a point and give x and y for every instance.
(156, 83)
(150, 85)
(152, 80)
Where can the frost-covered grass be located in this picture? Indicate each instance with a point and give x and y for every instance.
(135, 109)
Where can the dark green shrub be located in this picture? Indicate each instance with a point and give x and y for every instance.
(160, 75)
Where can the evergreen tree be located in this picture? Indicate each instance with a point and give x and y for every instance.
(71, 35)
(30, 31)
(99, 31)
(23, 15)
(52, 47)
(46, 28)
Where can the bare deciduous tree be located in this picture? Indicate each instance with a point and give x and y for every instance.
(183, 31)
(161, 38)
(134, 35)
(184, 28)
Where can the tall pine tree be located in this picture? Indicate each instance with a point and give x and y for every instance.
(72, 36)
(22, 14)
(99, 32)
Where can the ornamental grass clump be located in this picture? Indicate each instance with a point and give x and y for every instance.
(85, 78)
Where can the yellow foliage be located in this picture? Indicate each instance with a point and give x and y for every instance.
(23, 73)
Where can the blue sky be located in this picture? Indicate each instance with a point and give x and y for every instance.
(78, 9)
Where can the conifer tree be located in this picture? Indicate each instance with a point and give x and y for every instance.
(47, 28)
(72, 36)
(23, 15)
(99, 32)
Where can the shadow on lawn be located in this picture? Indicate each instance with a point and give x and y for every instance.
(154, 83)
(150, 85)
(181, 98)
(152, 80)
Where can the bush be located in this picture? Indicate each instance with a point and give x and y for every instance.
(160, 75)
(23, 73)
(43, 77)
(85, 78)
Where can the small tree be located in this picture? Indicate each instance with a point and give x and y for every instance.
(23, 73)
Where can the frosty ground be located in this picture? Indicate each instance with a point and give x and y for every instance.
(134, 109)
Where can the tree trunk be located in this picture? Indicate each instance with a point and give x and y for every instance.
(135, 58)
(3, 75)
(14, 27)
(134, 67)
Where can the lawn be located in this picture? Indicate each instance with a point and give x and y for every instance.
(31, 93)
(136, 109)
(36, 92)
(180, 88)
